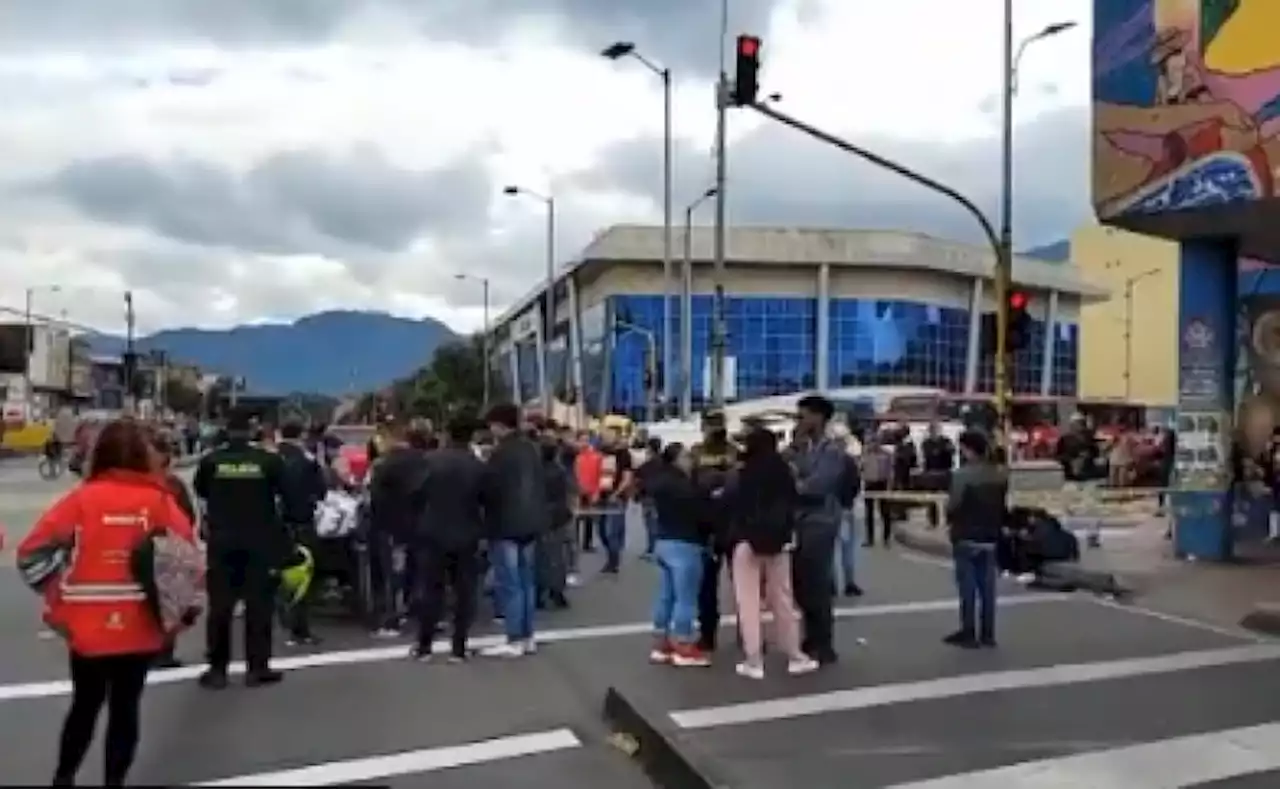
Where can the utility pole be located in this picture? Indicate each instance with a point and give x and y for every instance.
(1004, 257)
(719, 328)
(668, 391)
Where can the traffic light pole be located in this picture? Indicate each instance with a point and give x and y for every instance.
(1004, 255)
(945, 191)
(719, 325)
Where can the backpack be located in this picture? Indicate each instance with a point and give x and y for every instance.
(850, 482)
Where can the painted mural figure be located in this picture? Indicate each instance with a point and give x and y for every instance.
(1186, 103)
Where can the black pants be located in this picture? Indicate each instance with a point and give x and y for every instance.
(440, 571)
(240, 575)
(587, 525)
(117, 681)
(870, 508)
(709, 600)
(812, 580)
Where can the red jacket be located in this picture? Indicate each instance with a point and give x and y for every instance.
(588, 467)
(96, 602)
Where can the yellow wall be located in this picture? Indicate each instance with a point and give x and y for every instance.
(1110, 257)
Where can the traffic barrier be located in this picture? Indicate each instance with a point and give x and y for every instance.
(1073, 502)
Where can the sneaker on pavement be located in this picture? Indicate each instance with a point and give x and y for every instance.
(750, 670)
(573, 580)
(689, 656)
(801, 665)
(301, 641)
(660, 654)
(510, 649)
(213, 679)
(386, 632)
(263, 677)
(530, 646)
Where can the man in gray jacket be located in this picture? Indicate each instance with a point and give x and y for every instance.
(976, 512)
(820, 466)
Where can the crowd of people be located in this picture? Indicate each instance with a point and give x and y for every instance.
(509, 507)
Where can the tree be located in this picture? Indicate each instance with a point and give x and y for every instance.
(182, 397)
(451, 383)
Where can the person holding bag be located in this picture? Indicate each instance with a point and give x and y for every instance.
(97, 601)
(762, 499)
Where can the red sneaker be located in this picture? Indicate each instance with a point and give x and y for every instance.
(661, 652)
(689, 655)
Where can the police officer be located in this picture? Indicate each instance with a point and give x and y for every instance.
(241, 486)
(306, 486)
(713, 458)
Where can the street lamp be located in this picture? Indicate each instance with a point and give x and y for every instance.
(1129, 284)
(484, 335)
(549, 320)
(617, 51)
(686, 307)
(1004, 264)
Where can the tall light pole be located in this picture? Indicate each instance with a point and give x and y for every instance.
(1004, 263)
(719, 329)
(1129, 284)
(616, 51)
(686, 307)
(549, 319)
(485, 348)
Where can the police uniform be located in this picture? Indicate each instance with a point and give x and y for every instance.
(241, 485)
(712, 465)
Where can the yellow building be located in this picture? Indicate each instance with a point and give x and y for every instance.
(1128, 343)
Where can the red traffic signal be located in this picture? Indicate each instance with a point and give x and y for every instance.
(746, 83)
(1018, 300)
(748, 46)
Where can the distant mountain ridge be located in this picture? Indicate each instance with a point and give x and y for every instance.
(1057, 252)
(330, 353)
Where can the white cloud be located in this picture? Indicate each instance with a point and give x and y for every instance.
(526, 109)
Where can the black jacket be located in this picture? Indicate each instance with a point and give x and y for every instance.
(679, 505)
(516, 491)
(450, 499)
(305, 481)
(762, 501)
(710, 474)
(977, 506)
(393, 492)
(241, 486)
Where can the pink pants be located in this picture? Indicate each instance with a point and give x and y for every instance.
(749, 569)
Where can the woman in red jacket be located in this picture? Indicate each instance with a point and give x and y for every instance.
(96, 602)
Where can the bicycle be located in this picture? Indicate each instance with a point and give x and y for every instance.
(51, 467)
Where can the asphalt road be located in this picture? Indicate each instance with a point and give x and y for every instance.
(1080, 693)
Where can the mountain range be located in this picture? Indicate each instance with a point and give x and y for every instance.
(332, 353)
(1057, 252)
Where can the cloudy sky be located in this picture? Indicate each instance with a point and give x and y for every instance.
(248, 160)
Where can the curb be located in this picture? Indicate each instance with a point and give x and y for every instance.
(652, 743)
(1059, 577)
(1264, 619)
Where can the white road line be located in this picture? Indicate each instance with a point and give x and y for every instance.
(50, 688)
(375, 768)
(1186, 621)
(1175, 763)
(965, 684)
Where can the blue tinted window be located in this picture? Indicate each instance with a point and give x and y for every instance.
(897, 343)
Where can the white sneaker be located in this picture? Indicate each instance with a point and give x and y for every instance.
(386, 632)
(750, 670)
(510, 649)
(530, 646)
(573, 580)
(801, 665)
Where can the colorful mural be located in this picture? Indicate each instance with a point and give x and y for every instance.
(1257, 360)
(1186, 104)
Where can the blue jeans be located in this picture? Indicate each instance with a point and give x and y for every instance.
(613, 533)
(842, 566)
(975, 565)
(675, 609)
(513, 565)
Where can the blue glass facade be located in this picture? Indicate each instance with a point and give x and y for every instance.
(873, 342)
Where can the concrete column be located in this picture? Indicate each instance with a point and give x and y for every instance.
(575, 339)
(514, 355)
(822, 337)
(1203, 511)
(1050, 337)
(971, 355)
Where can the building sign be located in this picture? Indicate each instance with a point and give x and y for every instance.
(1201, 382)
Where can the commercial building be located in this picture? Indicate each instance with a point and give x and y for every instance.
(806, 309)
(1128, 343)
(42, 367)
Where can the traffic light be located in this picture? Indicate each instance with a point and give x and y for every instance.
(746, 82)
(1019, 321)
(1019, 329)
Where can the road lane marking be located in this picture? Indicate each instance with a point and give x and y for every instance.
(1186, 621)
(374, 768)
(951, 687)
(62, 687)
(1174, 763)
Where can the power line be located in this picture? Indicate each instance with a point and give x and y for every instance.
(41, 318)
